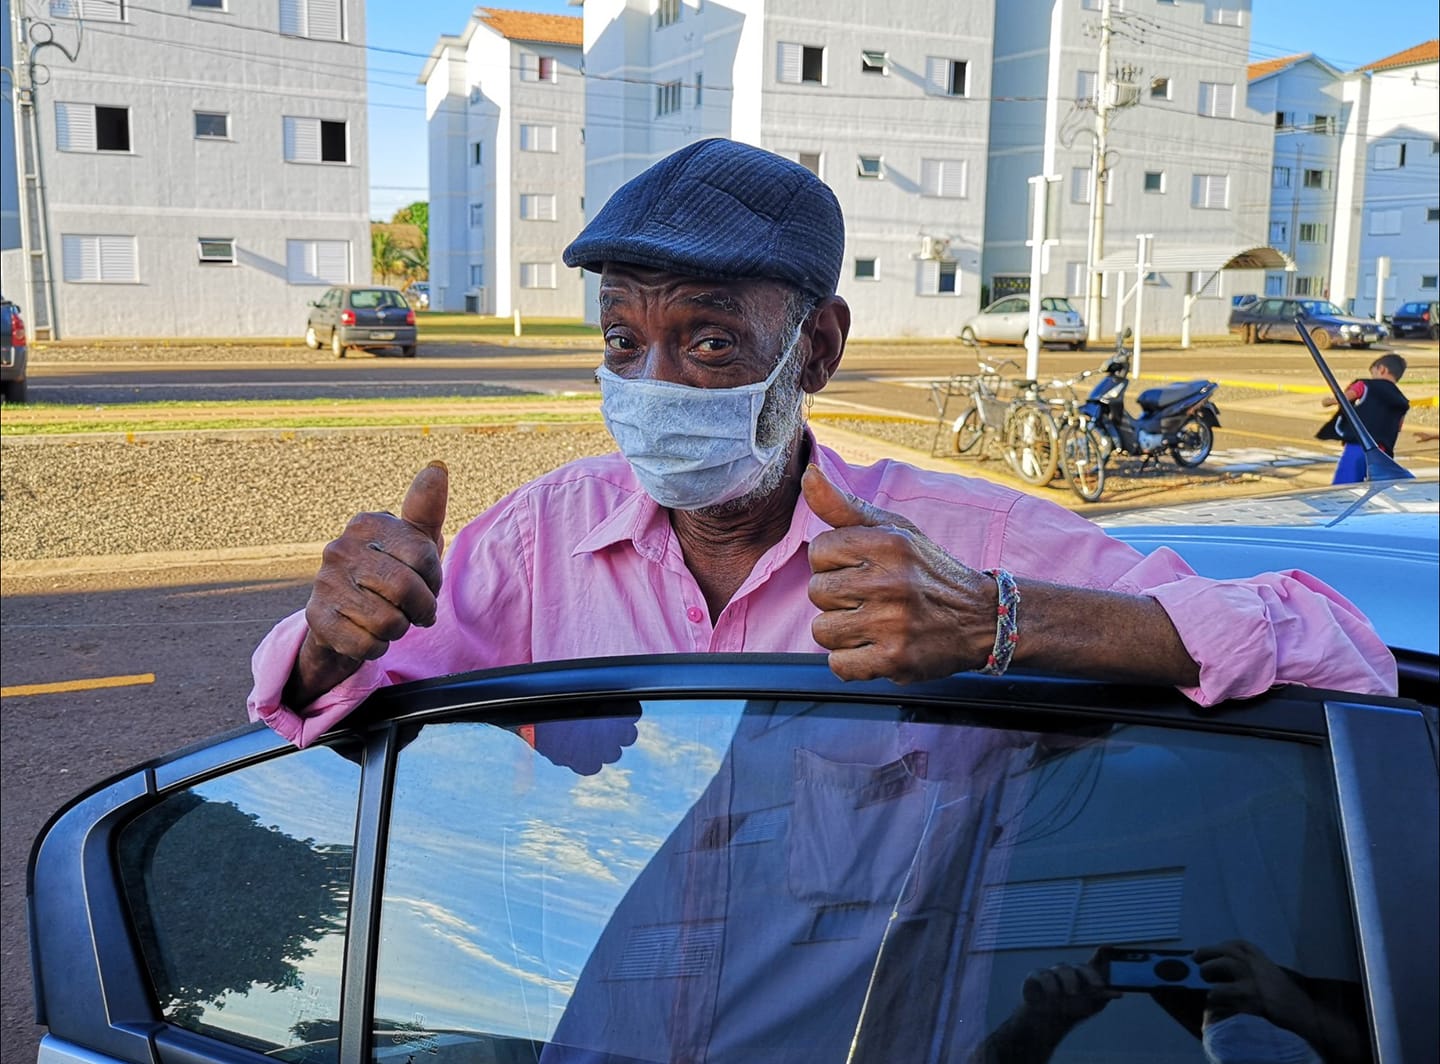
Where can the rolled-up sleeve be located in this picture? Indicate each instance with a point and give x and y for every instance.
(1276, 628)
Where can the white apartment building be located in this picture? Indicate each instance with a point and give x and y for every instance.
(1188, 161)
(887, 105)
(203, 163)
(1389, 206)
(1306, 97)
(505, 103)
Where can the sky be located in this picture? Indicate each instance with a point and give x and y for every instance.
(401, 33)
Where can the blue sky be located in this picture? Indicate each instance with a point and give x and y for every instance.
(402, 32)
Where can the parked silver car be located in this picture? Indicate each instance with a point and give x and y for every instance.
(363, 316)
(1007, 321)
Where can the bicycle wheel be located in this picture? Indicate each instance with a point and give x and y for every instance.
(1192, 443)
(1082, 457)
(968, 430)
(1030, 444)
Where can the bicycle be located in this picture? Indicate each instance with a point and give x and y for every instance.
(1030, 435)
(985, 418)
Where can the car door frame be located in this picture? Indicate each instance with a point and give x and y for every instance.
(73, 893)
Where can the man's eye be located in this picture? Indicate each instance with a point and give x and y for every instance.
(714, 344)
(617, 342)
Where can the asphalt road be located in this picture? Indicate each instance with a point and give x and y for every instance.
(192, 630)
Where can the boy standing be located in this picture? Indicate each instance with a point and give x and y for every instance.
(1381, 406)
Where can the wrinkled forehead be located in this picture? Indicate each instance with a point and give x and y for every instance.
(624, 283)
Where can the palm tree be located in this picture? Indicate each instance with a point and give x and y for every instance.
(386, 257)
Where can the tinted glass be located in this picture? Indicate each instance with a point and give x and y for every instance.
(239, 890)
(1059, 305)
(725, 890)
(370, 298)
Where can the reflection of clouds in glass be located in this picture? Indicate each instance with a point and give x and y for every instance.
(608, 790)
(308, 794)
(558, 853)
(668, 748)
(463, 936)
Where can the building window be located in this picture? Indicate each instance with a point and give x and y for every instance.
(1284, 119)
(477, 153)
(1310, 286)
(1082, 186)
(536, 138)
(537, 275)
(98, 259)
(1389, 156)
(801, 64)
(1314, 232)
(1159, 88)
(699, 88)
(667, 98)
(667, 13)
(873, 62)
(946, 178)
(1207, 285)
(1385, 223)
(1280, 177)
(209, 5)
(939, 277)
(538, 67)
(1274, 283)
(320, 20)
(217, 250)
(477, 274)
(947, 77)
(1217, 99)
(1323, 125)
(811, 160)
(1428, 280)
(538, 207)
(317, 261)
(316, 140)
(477, 215)
(1224, 12)
(91, 10)
(87, 127)
(1154, 180)
(1211, 192)
(1087, 86)
(1279, 234)
(1317, 179)
(1432, 214)
(867, 269)
(212, 125)
(871, 167)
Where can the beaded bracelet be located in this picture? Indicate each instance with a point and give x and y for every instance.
(1007, 623)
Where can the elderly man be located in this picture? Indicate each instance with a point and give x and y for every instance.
(722, 525)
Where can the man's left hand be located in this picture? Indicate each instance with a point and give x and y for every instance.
(892, 603)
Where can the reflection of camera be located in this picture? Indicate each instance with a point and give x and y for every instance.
(1147, 969)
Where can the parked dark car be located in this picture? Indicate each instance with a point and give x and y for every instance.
(1327, 324)
(1418, 319)
(362, 316)
(780, 866)
(14, 353)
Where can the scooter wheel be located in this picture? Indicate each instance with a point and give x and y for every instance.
(1193, 443)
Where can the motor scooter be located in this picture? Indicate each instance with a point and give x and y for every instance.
(1176, 419)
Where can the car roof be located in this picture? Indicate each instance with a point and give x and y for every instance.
(1378, 544)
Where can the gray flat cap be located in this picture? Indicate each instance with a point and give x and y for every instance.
(721, 209)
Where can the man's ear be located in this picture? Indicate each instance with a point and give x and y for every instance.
(827, 328)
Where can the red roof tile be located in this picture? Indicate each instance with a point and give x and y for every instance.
(1429, 52)
(529, 26)
(1269, 66)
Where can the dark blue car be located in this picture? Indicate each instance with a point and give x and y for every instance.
(1327, 324)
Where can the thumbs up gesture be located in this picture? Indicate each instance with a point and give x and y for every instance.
(892, 603)
(375, 581)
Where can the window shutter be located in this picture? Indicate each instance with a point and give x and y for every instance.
(1225, 101)
(81, 255)
(791, 57)
(332, 261)
(302, 140)
(298, 259)
(943, 177)
(937, 76)
(1080, 184)
(292, 18)
(930, 277)
(529, 66)
(75, 126)
(117, 258)
(325, 17)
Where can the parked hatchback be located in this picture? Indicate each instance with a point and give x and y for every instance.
(14, 353)
(1417, 319)
(1275, 319)
(1007, 321)
(361, 316)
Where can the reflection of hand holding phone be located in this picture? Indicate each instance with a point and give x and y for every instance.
(1144, 970)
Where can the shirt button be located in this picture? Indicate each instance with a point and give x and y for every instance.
(696, 614)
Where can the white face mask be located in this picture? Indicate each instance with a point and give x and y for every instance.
(1247, 1039)
(694, 447)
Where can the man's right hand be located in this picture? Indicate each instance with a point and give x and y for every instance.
(375, 581)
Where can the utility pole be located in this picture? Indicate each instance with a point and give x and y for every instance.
(1294, 234)
(1096, 250)
(34, 214)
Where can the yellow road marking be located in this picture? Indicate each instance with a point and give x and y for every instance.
(77, 685)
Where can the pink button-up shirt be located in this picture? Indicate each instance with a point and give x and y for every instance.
(582, 563)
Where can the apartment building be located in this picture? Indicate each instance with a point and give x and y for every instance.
(1306, 96)
(887, 105)
(202, 165)
(505, 103)
(1186, 160)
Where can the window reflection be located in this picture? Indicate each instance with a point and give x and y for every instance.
(816, 882)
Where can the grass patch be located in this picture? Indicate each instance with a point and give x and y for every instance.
(438, 325)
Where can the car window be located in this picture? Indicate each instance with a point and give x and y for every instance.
(239, 889)
(371, 298)
(1060, 305)
(1274, 308)
(783, 880)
